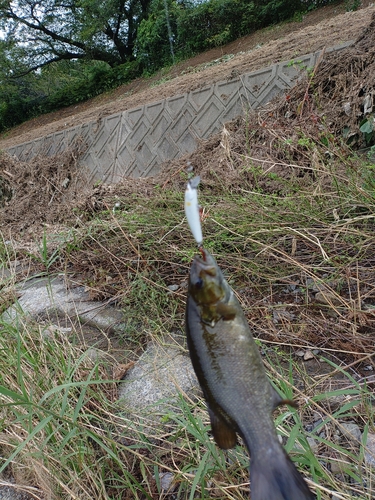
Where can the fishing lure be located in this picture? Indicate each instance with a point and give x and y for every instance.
(192, 210)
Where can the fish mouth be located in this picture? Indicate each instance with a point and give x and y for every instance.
(208, 289)
(205, 281)
(203, 265)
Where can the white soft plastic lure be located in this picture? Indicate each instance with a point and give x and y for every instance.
(192, 209)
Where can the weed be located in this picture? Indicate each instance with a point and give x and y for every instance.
(367, 127)
(351, 5)
(56, 409)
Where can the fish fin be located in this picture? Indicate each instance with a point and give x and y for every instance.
(289, 402)
(277, 401)
(277, 478)
(225, 311)
(225, 437)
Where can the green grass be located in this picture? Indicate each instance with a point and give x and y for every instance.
(61, 430)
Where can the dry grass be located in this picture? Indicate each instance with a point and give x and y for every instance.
(279, 252)
(289, 213)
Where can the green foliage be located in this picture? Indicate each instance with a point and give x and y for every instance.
(198, 27)
(367, 127)
(363, 135)
(61, 84)
(352, 5)
(19, 99)
(54, 55)
(100, 45)
(214, 23)
(153, 44)
(39, 33)
(96, 79)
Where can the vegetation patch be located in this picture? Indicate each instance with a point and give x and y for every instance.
(288, 210)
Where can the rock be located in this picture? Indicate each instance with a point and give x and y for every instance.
(52, 330)
(65, 183)
(151, 388)
(339, 465)
(281, 314)
(6, 191)
(96, 355)
(308, 355)
(336, 436)
(166, 480)
(334, 402)
(347, 108)
(51, 298)
(367, 104)
(328, 298)
(173, 288)
(351, 431)
(370, 450)
(10, 492)
(305, 354)
(5, 274)
(314, 445)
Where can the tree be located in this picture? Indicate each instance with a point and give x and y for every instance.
(155, 45)
(39, 32)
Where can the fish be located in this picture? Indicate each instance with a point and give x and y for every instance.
(239, 396)
(192, 209)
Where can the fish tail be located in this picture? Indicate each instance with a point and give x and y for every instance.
(278, 479)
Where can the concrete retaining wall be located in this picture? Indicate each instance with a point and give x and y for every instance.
(135, 142)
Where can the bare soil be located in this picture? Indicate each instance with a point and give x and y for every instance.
(322, 28)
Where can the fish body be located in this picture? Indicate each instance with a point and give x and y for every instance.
(238, 393)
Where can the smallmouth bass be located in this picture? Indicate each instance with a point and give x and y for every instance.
(230, 370)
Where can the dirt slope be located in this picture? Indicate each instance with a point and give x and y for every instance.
(325, 27)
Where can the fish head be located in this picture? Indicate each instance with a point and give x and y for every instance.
(209, 290)
(206, 280)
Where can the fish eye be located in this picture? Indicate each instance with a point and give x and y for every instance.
(199, 283)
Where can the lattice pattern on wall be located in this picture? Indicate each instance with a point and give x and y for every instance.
(135, 142)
